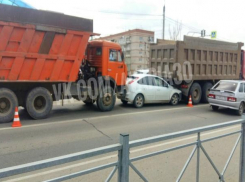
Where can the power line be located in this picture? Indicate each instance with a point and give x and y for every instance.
(140, 14)
(122, 13)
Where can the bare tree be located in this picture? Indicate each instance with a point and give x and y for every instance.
(175, 32)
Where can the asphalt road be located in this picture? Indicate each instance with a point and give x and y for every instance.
(76, 127)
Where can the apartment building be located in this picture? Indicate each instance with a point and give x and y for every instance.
(135, 45)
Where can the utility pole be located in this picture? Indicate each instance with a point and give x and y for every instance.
(163, 23)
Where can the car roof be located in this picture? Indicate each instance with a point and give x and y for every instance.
(143, 75)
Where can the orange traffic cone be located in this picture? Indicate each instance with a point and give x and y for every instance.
(190, 102)
(16, 122)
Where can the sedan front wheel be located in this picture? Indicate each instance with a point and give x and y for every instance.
(174, 99)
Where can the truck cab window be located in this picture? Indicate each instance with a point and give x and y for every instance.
(113, 55)
(119, 57)
(98, 51)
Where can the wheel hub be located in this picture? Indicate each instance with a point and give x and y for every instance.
(139, 101)
(39, 103)
(4, 105)
(195, 94)
(107, 99)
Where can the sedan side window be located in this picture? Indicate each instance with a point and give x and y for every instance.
(159, 82)
(151, 81)
(143, 81)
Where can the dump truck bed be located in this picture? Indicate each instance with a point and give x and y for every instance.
(41, 46)
(209, 59)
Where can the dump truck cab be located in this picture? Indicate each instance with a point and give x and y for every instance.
(107, 60)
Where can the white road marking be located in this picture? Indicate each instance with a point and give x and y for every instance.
(101, 117)
(114, 156)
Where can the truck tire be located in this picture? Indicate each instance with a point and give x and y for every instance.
(196, 93)
(39, 103)
(8, 102)
(205, 91)
(106, 100)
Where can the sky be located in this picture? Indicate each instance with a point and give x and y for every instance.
(113, 16)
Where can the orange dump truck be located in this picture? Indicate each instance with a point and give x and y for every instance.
(47, 56)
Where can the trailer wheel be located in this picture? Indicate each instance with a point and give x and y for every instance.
(205, 91)
(39, 103)
(106, 100)
(196, 93)
(8, 102)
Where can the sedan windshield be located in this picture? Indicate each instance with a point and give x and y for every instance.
(224, 85)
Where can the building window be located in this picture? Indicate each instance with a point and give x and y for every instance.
(140, 45)
(140, 59)
(151, 39)
(140, 52)
(141, 38)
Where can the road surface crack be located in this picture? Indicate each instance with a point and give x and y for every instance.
(97, 129)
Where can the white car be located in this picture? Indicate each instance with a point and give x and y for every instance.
(145, 88)
(147, 71)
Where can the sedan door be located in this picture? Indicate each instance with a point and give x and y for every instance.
(147, 88)
(163, 91)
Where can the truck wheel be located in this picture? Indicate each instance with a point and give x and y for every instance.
(8, 102)
(205, 91)
(106, 100)
(39, 103)
(196, 93)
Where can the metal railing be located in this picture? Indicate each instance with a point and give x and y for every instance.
(124, 161)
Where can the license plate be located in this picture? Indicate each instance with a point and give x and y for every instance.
(220, 98)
